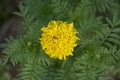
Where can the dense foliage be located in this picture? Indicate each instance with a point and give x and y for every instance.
(97, 55)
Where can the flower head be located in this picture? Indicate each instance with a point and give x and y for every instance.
(59, 39)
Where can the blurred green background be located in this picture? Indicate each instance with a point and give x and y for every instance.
(9, 23)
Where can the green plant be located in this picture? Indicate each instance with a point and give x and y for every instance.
(98, 50)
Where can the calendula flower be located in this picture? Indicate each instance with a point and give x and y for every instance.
(59, 39)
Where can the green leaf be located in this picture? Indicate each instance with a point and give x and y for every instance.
(107, 44)
(114, 40)
(117, 23)
(116, 30)
(113, 35)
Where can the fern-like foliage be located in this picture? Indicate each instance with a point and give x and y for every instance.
(98, 24)
(61, 8)
(31, 72)
(108, 56)
(104, 5)
(109, 35)
(81, 11)
(95, 64)
(13, 47)
(87, 69)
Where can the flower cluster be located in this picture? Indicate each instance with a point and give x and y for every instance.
(59, 39)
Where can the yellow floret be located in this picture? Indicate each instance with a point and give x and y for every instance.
(59, 39)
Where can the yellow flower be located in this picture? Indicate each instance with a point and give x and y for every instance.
(59, 39)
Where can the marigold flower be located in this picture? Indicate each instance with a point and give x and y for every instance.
(59, 39)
